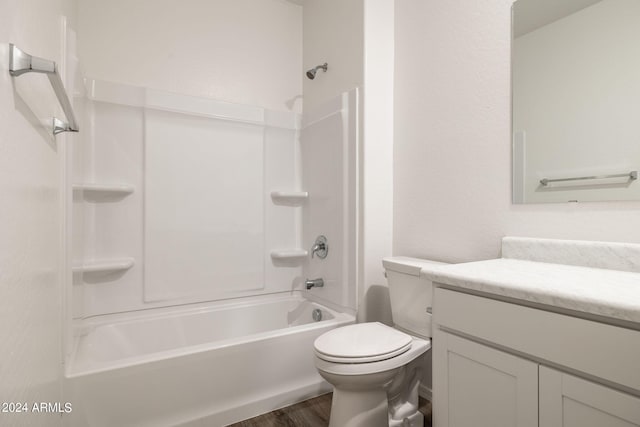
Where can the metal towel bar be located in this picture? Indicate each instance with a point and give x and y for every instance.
(633, 175)
(21, 62)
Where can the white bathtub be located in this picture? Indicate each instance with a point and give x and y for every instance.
(208, 365)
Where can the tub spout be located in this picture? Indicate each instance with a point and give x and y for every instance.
(314, 283)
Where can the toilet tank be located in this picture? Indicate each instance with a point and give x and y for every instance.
(410, 294)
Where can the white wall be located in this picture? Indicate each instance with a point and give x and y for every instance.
(452, 156)
(242, 51)
(356, 38)
(577, 98)
(30, 221)
(333, 32)
(377, 159)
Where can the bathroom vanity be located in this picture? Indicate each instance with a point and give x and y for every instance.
(521, 341)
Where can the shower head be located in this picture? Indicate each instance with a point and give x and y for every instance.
(311, 74)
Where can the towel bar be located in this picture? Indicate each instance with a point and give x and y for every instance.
(21, 62)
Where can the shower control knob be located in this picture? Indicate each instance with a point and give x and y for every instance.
(320, 248)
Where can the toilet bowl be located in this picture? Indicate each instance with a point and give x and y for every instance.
(362, 362)
(375, 369)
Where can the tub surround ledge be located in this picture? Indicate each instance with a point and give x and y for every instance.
(601, 279)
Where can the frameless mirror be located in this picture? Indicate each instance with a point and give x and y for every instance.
(576, 100)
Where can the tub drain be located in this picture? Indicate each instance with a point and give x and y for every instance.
(317, 314)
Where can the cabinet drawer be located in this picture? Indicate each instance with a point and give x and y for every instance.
(598, 349)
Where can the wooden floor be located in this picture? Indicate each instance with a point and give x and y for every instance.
(310, 413)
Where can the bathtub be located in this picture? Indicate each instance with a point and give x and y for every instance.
(206, 365)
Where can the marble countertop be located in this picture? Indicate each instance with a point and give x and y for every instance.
(598, 291)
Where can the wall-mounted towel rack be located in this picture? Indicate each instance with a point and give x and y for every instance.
(633, 175)
(21, 62)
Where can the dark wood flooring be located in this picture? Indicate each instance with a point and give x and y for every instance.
(310, 413)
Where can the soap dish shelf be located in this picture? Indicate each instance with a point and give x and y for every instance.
(107, 189)
(105, 266)
(289, 198)
(289, 254)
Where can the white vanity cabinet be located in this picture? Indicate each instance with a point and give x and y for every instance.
(478, 385)
(570, 401)
(501, 364)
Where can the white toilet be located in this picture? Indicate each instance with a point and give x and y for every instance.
(375, 370)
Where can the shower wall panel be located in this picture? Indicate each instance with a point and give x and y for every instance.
(200, 223)
(112, 224)
(204, 226)
(329, 146)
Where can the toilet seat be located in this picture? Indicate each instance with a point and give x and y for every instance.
(418, 348)
(361, 343)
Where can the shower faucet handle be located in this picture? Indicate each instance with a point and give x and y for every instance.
(320, 247)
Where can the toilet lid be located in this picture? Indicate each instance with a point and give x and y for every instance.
(361, 343)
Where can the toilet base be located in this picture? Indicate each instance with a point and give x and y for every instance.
(359, 408)
(414, 420)
(404, 398)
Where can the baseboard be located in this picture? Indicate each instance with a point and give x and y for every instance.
(425, 392)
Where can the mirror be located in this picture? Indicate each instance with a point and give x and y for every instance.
(576, 100)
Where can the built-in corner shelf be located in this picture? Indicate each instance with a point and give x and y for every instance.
(105, 266)
(289, 254)
(289, 198)
(106, 190)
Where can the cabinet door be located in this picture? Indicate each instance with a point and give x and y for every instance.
(568, 401)
(478, 386)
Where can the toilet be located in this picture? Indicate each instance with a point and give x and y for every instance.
(375, 369)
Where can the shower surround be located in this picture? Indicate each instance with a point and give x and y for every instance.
(197, 216)
(199, 211)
